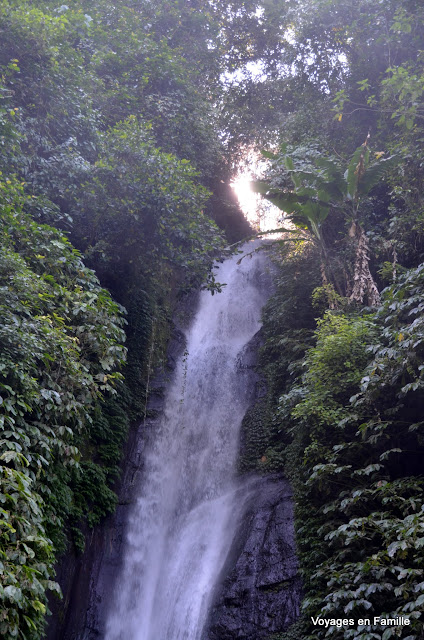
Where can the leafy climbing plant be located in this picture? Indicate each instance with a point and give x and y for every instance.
(61, 345)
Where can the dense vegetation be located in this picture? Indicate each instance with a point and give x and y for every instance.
(120, 127)
(106, 134)
(344, 332)
(343, 419)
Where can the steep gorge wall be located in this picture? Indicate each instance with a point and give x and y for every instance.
(259, 591)
(260, 595)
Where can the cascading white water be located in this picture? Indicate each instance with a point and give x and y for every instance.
(184, 521)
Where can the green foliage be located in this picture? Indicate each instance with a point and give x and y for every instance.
(26, 554)
(349, 424)
(142, 209)
(320, 188)
(84, 68)
(319, 184)
(326, 297)
(294, 632)
(335, 365)
(289, 324)
(119, 120)
(304, 202)
(397, 362)
(130, 190)
(60, 338)
(350, 438)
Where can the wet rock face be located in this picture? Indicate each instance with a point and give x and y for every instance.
(259, 591)
(88, 580)
(261, 594)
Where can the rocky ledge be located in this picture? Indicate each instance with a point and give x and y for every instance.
(260, 595)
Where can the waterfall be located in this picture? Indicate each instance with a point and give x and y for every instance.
(189, 499)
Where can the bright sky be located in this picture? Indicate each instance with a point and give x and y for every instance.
(260, 213)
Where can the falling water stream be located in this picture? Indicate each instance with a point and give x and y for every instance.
(190, 501)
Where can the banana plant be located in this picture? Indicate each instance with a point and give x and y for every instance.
(323, 187)
(306, 205)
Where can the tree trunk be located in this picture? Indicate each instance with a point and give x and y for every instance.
(363, 282)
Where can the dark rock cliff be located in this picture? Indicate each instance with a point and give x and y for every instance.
(260, 594)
